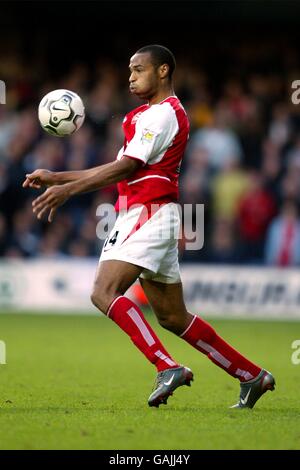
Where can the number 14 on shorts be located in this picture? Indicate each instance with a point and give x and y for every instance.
(110, 241)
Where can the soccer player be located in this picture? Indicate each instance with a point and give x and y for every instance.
(147, 170)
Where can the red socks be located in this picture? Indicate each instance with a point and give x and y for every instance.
(204, 338)
(199, 334)
(131, 320)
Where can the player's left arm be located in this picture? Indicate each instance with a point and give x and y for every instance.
(107, 174)
(155, 131)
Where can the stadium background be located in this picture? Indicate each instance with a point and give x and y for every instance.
(243, 158)
(236, 62)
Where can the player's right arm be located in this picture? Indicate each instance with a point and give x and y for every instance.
(41, 178)
(106, 174)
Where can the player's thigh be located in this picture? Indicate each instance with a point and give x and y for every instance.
(165, 299)
(116, 275)
(113, 277)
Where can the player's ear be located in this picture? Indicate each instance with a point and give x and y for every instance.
(163, 70)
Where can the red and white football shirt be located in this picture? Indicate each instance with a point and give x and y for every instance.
(157, 136)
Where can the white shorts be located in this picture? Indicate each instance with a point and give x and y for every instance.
(153, 245)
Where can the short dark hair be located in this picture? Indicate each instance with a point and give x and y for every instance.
(160, 55)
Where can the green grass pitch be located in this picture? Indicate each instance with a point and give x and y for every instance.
(77, 382)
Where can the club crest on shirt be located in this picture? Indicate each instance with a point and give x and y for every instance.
(147, 135)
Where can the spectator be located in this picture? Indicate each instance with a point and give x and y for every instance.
(282, 247)
(256, 209)
(222, 245)
(227, 188)
(219, 142)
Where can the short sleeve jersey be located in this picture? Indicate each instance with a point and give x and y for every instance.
(157, 136)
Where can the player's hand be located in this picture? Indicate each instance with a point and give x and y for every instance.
(39, 178)
(50, 200)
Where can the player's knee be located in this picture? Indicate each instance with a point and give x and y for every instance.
(102, 299)
(96, 300)
(171, 322)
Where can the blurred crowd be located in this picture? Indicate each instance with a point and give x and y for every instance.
(242, 161)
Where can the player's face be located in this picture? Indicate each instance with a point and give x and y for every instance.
(144, 78)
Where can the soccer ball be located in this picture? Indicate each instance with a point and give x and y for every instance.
(61, 112)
